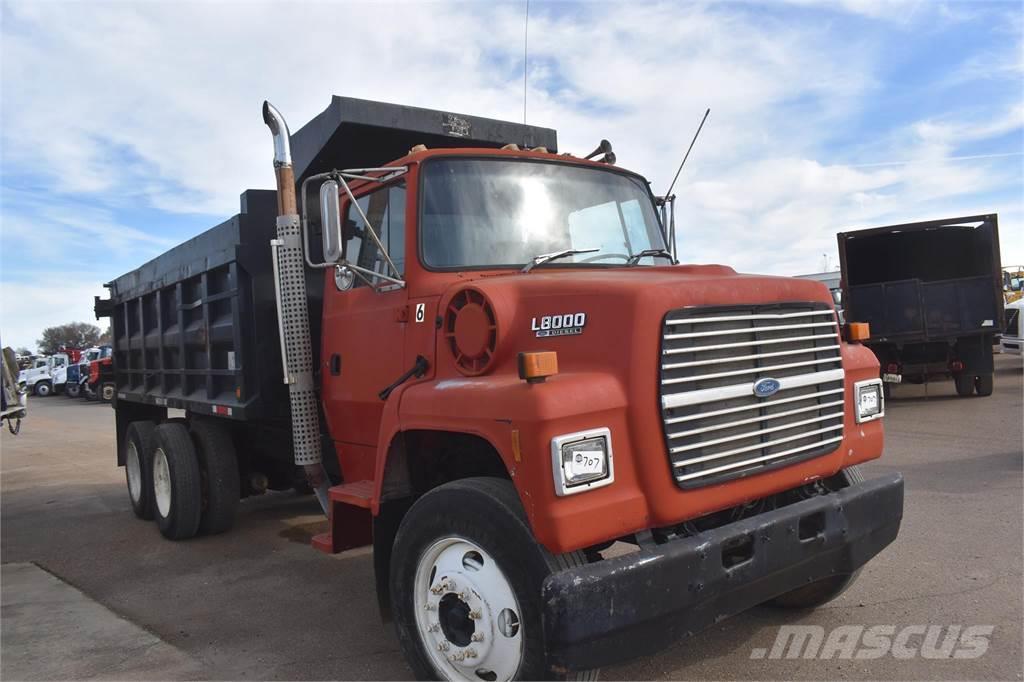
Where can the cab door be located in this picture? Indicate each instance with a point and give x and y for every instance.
(364, 330)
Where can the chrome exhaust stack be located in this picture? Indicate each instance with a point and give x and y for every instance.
(290, 293)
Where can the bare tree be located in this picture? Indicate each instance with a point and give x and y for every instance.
(71, 335)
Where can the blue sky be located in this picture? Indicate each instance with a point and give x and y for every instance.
(129, 127)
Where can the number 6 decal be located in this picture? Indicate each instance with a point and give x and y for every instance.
(421, 311)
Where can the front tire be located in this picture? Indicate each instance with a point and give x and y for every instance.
(73, 390)
(43, 388)
(466, 576)
(984, 384)
(822, 591)
(177, 491)
(138, 473)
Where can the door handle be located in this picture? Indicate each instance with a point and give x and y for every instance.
(335, 365)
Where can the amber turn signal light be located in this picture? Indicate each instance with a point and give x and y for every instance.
(858, 331)
(538, 366)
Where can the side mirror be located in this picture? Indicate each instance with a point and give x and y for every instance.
(330, 215)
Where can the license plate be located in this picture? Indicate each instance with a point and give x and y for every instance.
(892, 378)
(869, 402)
(584, 463)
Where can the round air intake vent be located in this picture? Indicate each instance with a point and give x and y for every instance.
(471, 331)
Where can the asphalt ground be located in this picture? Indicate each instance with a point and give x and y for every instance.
(259, 603)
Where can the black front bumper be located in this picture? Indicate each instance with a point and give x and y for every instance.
(632, 605)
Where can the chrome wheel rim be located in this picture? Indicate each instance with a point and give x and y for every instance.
(467, 615)
(161, 483)
(133, 467)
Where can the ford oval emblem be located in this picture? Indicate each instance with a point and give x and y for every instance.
(766, 387)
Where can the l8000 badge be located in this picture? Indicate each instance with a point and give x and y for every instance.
(559, 325)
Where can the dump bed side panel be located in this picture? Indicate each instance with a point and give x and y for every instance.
(929, 281)
(196, 327)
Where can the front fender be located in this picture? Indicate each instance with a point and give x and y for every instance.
(505, 410)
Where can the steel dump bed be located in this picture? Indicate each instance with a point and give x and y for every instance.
(196, 327)
(924, 281)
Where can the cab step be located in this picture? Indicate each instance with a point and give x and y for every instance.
(351, 522)
(357, 494)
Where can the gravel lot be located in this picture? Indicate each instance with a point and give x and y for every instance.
(258, 603)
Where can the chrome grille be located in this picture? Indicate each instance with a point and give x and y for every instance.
(1012, 322)
(711, 357)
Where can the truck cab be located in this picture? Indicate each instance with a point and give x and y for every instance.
(464, 228)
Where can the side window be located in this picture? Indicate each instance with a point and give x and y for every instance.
(396, 226)
(385, 209)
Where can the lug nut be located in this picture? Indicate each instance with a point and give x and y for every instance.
(475, 615)
(443, 646)
(470, 653)
(477, 637)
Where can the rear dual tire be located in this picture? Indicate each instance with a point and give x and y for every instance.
(177, 486)
(138, 443)
(969, 384)
(218, 468)
(964, 384)
(187, 480)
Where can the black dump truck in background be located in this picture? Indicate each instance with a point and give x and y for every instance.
(932, 294)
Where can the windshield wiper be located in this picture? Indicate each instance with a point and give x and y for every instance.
(554, 255)
(635, 258)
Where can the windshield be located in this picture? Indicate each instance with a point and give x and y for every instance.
(494, 212)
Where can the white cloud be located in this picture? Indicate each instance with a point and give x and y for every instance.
(157, 104)
(54, 299)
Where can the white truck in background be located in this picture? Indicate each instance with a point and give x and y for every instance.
(39, 379)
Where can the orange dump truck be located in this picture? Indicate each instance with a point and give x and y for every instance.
(483, 357)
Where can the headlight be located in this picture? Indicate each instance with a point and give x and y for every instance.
(869, 400)
(582, 461)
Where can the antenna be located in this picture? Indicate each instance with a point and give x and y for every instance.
(526, 44)
(669, 201)
(687, 155)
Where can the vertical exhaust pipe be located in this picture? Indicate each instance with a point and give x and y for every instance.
(290, 292)
(283, 171)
